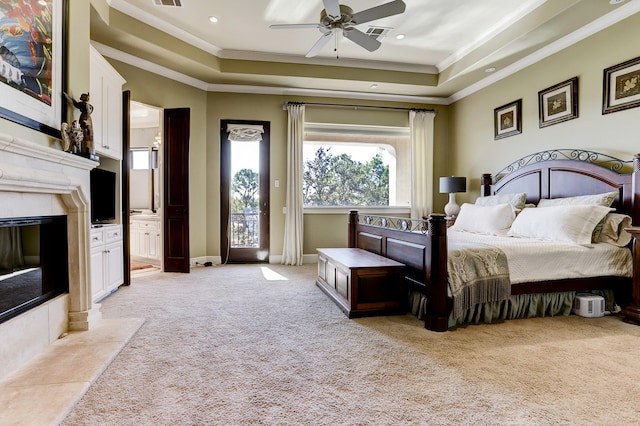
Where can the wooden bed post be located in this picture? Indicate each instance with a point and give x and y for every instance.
(353, 220)
(635, 191)
(437, 316)
(631, 313)
(485, 184)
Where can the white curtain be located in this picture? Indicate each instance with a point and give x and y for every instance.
(421, 129)
(292, 249)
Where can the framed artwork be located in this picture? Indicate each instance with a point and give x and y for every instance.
(558, 103)
(621, 86)
(507, 120)
(32, 63)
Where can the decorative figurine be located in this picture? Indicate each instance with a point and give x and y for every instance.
(72, 137)
(84, 121)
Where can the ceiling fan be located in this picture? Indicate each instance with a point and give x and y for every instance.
(336, 16)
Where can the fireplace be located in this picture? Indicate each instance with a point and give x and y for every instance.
(33, 263)
(46, 185)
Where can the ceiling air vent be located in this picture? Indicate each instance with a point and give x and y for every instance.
(378, 32)
(168, 3)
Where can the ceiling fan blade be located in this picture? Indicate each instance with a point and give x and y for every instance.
(332, 7)
(378, 12)
(319, 44)
(361, 39)
(294, 26)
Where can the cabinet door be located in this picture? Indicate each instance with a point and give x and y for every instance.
(114, 265)
(135, 235)
(97, 273)
(96, 99)
(154, 244)
(113, 117)
(106, 98)
(144, 242)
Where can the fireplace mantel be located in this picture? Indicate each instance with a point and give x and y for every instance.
(37, 180)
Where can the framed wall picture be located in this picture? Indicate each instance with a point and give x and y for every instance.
(32, 63)
(507, 120)
(621, 86)
(558, 103)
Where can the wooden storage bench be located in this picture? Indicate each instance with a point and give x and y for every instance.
(361, 283)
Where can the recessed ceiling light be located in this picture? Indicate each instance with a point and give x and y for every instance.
(400, 36)
(213, 19)
(490, 69)
(374, 86)
(615, 1)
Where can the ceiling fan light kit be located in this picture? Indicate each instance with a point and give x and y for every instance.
(336, 17)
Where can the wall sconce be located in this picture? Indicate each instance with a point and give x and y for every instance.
(450, 185)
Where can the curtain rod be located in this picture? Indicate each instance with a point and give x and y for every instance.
(315, 104)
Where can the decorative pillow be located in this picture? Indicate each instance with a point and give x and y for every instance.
(563, 223)
(605, 199)
(490, 220)
(613, 230)
(516, 200)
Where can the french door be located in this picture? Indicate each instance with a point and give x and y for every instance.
(244, 184)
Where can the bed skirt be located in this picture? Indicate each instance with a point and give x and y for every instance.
(517, 306)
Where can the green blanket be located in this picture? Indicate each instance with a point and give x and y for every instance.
(477, 273)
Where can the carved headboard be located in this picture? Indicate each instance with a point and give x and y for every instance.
(566, 173)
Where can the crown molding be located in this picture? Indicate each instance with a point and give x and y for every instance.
(165, 27)
(580, 34)
(508, 20)
(600, 24)
(135, 61)
(342, 62)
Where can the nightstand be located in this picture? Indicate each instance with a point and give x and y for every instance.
(450, 221)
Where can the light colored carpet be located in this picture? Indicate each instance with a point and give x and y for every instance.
(227, 346)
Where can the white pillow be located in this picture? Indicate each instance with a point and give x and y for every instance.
(490, 220)
(516, 200)
(563, 223)
(613, 230)
(605, 199)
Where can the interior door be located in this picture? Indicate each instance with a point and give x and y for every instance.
(244, 185)
(176, 190)
(126, 231)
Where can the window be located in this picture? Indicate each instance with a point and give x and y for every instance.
(355, 166)
(140, 159)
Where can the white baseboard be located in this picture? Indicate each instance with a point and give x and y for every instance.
(216, 260)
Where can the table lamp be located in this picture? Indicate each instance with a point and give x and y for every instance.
(450, 185)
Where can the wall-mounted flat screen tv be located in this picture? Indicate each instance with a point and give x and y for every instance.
(103, 196)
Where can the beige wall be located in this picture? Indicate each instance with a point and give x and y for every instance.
(154, 90)
(269, 108)
(473, 148)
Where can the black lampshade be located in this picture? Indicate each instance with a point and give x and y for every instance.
(452, 184)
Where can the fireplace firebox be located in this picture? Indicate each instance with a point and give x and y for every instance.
(34, 263)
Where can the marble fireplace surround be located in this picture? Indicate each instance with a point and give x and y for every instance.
(36, 180)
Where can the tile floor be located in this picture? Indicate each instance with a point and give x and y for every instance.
(45, 390)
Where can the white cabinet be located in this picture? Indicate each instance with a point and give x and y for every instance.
(107, 271)
(145, 238)
(106, 98)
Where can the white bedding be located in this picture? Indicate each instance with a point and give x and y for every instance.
(534, 260)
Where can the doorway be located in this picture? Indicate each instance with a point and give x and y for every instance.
(244, 184)
(145, 191)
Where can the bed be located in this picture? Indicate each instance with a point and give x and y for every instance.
(423, 244)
